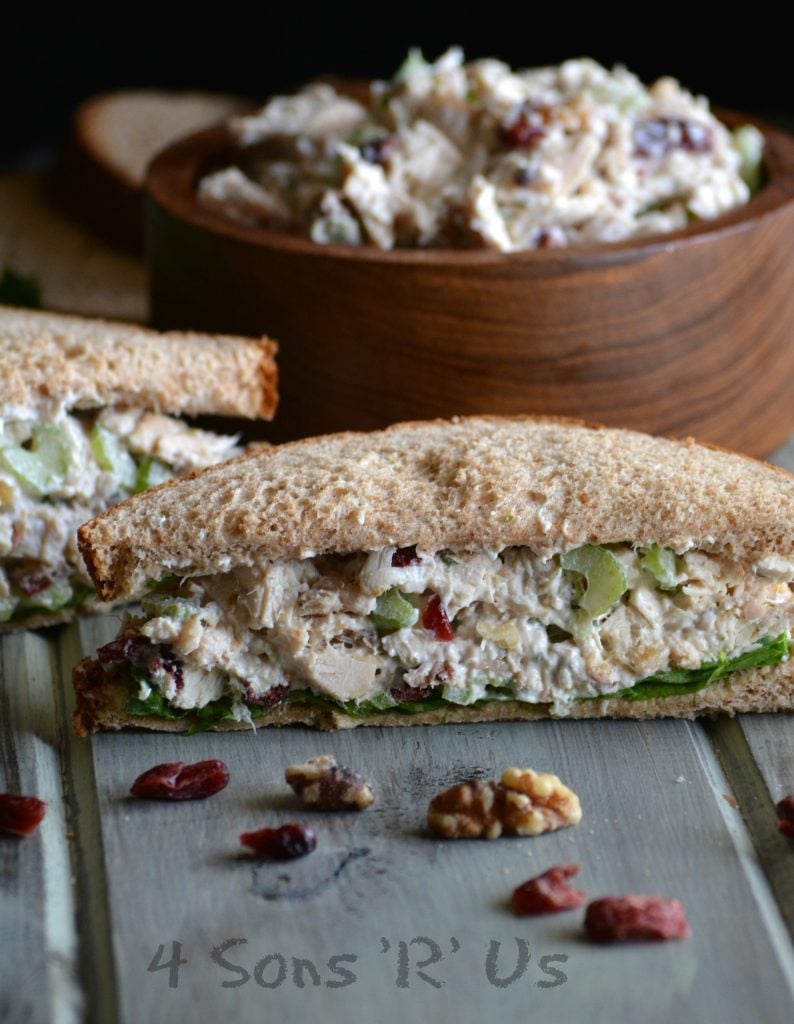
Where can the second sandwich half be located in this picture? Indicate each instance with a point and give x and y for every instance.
(88, 416)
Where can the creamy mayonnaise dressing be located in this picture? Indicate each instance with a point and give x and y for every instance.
(516, 627)
(38, 533)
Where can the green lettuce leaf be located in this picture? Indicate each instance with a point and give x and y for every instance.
(770, 651)
(155, 704)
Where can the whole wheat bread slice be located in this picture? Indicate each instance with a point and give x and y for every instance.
(550, 484)
(114, 137)
(51, 359)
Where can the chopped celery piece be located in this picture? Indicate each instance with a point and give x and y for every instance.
(42, 468)
(150, 473)
(157, 605)
(7, 606)
(749, 143)
(414, 64)
(661, 564)
(458, 694)
(495, 688)
(53, 598)
(112, 456)
(606, 580)
(392, 611)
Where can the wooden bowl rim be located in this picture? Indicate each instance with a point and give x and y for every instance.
(173, 174)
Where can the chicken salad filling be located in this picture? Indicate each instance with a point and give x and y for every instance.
(402, 629)
(58, 473)
(476, 155)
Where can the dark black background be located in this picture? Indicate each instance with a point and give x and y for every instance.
(48, 63)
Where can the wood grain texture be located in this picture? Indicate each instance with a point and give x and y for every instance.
(376, 879)
(38, 965)
(688, 333)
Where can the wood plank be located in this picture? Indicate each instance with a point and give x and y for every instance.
(176, 874)
(96, 955)
(757, 754)
(38, 967)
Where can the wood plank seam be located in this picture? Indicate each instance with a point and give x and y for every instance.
(92, 911)
(731, 768)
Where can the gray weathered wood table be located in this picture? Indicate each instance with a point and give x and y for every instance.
(144, 912)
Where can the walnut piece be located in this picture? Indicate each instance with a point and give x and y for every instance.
(329, 786)
(522, 803)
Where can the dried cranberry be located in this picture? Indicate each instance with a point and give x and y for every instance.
(179, 781)
(785, 815)
(549, 892)
(20, 815)
(133, 647)
(138, 649)
(404, 556)
(657, 137)
(29, 580)
(635, 919)
(377, 151)
(525, 176)
(268, 699)
(435, 619)
(524, 131)
(285, 843)
(408, 693)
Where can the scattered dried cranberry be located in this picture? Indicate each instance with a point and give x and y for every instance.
(785, 816)
(404, 556)
(635, 919)
(268, 699)
(435, 619)
(660, 136)
(285, 843)
(180, 781)
(20, 815)
(549, 892)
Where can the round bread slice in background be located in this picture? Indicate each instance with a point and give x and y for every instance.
(99, 179)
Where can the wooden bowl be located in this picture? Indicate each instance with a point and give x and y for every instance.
(686, 333)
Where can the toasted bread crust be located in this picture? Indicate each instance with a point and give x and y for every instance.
(51, 359)
(547, 483)
(101, 705)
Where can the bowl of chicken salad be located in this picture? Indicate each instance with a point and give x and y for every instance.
(465, 237)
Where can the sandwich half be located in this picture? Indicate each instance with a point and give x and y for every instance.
(87, 417)
(481, 568)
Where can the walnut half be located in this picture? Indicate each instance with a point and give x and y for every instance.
(522, 803)
(329, 786)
